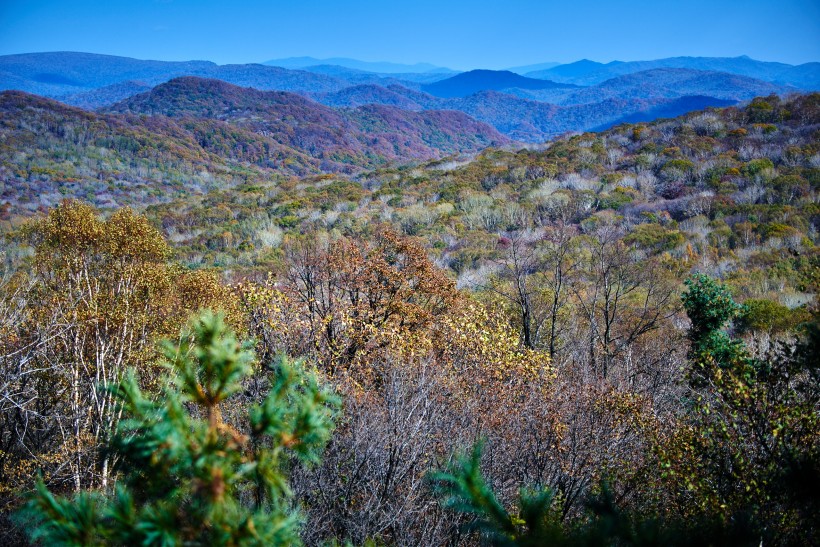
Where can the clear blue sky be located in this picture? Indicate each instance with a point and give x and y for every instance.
(457, 34)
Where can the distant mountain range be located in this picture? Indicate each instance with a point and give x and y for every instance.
(660, 83)
(586, 72)
(535, 115)
(369, 66)
(524, 69)
(64, 74)
(671, 108)
(533, 107)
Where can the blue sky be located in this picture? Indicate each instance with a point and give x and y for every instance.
(456, 34)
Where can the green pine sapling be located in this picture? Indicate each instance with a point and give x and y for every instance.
(188, 477)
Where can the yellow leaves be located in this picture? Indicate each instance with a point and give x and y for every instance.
(474, 337)
(104, 292)
(129, 236)
(72, 224)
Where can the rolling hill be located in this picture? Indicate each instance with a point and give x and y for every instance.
(360, 136)
(191, 135)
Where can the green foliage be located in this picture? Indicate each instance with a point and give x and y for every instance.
(187, 476)
(755, 167)
(655, 237)
(683, 165)
(710, 306)
(751, 435)
(762, 315)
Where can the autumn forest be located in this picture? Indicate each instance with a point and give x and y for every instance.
(236, 317)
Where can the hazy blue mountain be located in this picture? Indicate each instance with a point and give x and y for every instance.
(274, 78)
(474, 81)
(107, 95)
(806, 76)
(393, 95)
(533, 121)
(356, 77)
(680, 82)
(73, 71)
(337, 71)
(573, 71)
(665, 83)
(521, 118)
(669, 109)
(370, 66)
(372, 94)
(63, 74)
(411, 79)
(9, 80)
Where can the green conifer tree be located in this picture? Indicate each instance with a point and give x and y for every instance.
(710, 307)
(187, 476)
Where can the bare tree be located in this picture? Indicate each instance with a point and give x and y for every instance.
(625, 296)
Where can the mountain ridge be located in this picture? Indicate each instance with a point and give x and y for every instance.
(369, 66)
(520, 107)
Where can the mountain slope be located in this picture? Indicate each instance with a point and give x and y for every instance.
(67, 72)
(524, 69)
(369, 66)
(667, 109)
(573, 71)
(107, 95)
(49, 151)
(371, 94)
(360, 136)
(190, 136)
(522, 118)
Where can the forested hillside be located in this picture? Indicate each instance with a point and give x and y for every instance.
(607, 339)
(205, 135)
